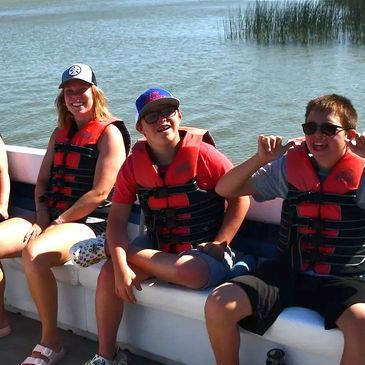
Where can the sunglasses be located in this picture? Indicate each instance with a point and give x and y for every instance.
(328, 129)
(153, 117)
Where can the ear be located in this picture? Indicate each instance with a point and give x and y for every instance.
(179, 113)
(139, 127)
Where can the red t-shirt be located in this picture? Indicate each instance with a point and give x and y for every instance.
(212, 165)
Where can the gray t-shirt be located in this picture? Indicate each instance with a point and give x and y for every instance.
(271, 182)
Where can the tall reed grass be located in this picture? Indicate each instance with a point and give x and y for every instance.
(298, 22)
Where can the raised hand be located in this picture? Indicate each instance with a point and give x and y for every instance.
(357, 144)
(271, 148)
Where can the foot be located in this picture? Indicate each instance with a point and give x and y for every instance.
(42, 355)
(119, 359)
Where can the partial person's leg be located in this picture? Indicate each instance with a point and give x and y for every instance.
(247, 301)
(109, 311)
(352, 325)
(187, 270)
(50, 249)
(224, 308)
(12, 232)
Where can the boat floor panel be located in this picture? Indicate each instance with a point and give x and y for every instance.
(26, 332)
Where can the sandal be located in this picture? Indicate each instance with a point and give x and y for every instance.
(50, 357)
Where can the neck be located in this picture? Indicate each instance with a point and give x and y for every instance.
(81, 122)
(164, 154)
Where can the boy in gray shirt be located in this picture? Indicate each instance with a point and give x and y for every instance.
(320, 258)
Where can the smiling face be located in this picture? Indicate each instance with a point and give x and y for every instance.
(165, 131)
(79, 100)
(326, 150)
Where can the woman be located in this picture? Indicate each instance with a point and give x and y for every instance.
(77, 174)
(4, 188)
(4, 202)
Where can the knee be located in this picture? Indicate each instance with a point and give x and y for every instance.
(215, 307)
(33, 259)
(227, 303)
(106, 276)
(352, 321)
(29, 255)
(189, 276)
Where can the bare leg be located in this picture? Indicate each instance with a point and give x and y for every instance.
(109, 311)
(50, 249)
(12, 232)
(225, 306)
(352, 325)
(3, 318)
(187, 270)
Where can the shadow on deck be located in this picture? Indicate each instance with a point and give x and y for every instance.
(26, 332)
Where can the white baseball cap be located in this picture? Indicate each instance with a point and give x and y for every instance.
(78, 71)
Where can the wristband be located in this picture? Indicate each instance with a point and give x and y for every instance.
(59, 220)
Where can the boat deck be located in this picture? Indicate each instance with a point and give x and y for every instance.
(26, 332)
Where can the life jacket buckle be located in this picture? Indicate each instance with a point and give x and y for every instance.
(59, 183)
(315, 224)
(315, 257)
(162, 192)
(60, 170)
(169, 218)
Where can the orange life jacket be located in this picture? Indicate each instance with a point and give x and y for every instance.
(74, 162)
(178, 213)
(322, 227)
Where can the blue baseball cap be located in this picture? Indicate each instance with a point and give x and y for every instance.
(78, 71)
(153, 97)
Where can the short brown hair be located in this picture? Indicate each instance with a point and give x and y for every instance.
(336, 104)
(101, 111)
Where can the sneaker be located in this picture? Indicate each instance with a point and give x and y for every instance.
(99, 360)
(88, 252)
(120, 359)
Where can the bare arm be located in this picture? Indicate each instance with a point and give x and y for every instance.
(44, 174)
(42, 215)
(118, 241)
(4, 182)
(235, 213)
(237, 182)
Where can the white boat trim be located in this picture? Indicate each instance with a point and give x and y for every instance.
(167, 324)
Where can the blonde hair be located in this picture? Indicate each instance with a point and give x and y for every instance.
(101, 111)
(335, 104)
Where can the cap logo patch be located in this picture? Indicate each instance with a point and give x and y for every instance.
(74, 70)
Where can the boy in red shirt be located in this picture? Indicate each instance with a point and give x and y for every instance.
(173, 172)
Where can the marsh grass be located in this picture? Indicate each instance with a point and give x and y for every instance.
(298, 22)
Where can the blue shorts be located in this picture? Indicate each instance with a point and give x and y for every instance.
(219, 271)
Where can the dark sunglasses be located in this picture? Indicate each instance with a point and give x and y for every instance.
(153, 117)
(327, 128)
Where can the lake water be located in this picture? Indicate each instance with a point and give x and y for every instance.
(236, 90)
